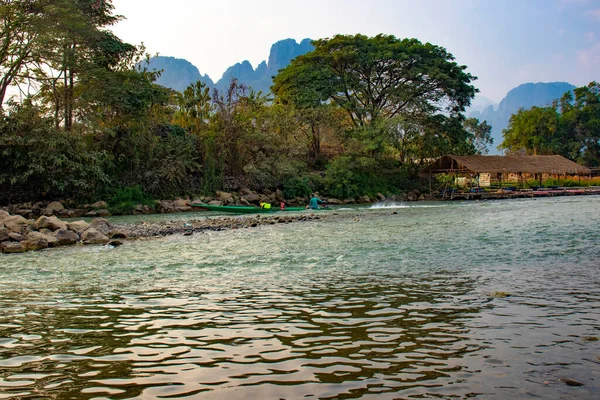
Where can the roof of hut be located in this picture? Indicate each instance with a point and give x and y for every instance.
(514, 164)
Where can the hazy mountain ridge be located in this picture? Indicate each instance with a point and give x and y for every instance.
(525, 96)
(179, 73)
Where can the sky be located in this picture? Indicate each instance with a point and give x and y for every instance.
(503, 42)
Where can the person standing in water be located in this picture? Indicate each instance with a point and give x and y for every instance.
(314, 202)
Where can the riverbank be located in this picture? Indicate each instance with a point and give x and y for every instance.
(20, 235)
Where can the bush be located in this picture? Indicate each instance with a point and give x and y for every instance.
(124, 200)
(38, 161)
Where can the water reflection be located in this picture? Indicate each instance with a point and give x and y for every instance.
(326, 338)
(383, 306)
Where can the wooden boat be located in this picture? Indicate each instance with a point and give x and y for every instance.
(246, 209)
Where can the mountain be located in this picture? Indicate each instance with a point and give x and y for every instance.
(480, 103)
(178, 74)
(525, 96)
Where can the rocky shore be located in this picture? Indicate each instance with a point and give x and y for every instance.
(19, 235)
(71, 209)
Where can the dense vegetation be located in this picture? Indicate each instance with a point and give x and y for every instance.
(569, 127)
(358, 115)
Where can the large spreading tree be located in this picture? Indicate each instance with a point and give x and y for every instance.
(375, 78)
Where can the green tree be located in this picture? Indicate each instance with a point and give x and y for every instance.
(480, 135)
(378, 77)
(532, 131)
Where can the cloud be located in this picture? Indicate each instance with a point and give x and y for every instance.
(589, 58)
(594, 13)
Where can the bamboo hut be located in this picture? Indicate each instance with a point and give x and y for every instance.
(490, 171)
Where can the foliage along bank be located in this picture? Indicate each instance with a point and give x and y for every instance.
(357, 116)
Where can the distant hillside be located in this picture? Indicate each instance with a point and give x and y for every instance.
(525, 96)
(178, 74)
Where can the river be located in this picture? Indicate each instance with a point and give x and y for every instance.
(492, 300)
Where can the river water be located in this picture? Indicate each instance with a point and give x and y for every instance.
(491, 300)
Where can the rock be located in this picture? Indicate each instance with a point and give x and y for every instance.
(65, 237)
(244, 202)
(164, 206)
(215, 203)
(571, 382)
(103, 212)
(188, 233)
(78, 226)
(179, 203)
(412, 196)
(12, 247)
(16, 223)
(364, 199)
(223, 196)
(252, 198)
(349, 201)
(3, 215)
(118, 234)
(76, 213)
(54, 208)
(334, 201)
(24, 212)
(92, 236)
(102, 225)
(16, 237)
(91, 214)
(380, 197)
(51, 223)
(115, 243)
(99, 205)
(36, 241)
(4, 235)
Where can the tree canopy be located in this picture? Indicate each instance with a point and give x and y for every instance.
(377, 77)
(570, 127)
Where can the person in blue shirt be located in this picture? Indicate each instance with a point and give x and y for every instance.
(314, 202)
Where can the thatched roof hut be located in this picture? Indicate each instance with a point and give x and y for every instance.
(554, 165)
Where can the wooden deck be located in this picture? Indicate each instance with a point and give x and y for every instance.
(516, 194)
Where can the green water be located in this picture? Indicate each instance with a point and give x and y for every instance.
(366, 304)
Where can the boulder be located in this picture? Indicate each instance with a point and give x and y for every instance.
(103, 212)
(3, 215)
(413, 196)
(334, 201)
(78, 226)
(91, 214)
(164, 206)
(215, 203)
(16, 223)
(102, 225)
(181, 203)
(118, 234)
(224, 196)
(15, 237)
(24, 212)
(12, 247)
(92, 236)
(4, 235)
(65, 237)
(380, 197)
(99, 205)
(51, 223)
(364, 199)
(35, 241)
(54, 208)
(244, 202)
(349, 201)
(76, 213)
